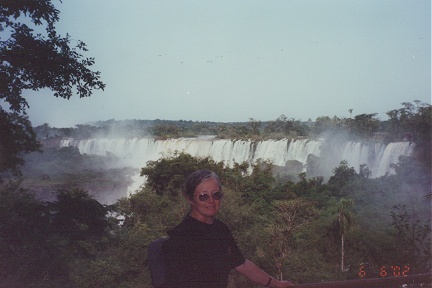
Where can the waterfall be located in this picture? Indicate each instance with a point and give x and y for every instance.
(391, 154)
(136, 152)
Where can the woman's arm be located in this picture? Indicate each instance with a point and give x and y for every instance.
(260, 277)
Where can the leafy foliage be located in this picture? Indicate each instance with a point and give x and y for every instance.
(290, 216)
(77, 215)
(414, 239)
(284, 227)
(17, 137)
(168, 174)
(34, 59)
(344, 222)
(39, 241)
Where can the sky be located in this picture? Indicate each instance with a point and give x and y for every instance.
(229, 61)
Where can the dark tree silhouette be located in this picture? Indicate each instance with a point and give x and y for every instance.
(34, 60)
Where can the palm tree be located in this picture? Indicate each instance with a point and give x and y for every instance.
(344, 222)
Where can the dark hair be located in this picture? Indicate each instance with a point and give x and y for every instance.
(196, 178)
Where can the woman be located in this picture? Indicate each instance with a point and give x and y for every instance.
(200, 251)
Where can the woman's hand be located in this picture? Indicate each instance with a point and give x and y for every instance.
(258, 276)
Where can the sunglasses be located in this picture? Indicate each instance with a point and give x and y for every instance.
(204, 197)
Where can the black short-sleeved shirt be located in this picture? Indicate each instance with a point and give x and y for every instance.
(200, 255)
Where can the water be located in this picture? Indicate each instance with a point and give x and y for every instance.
(136, 152)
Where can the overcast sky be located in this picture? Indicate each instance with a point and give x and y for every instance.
(234, 60)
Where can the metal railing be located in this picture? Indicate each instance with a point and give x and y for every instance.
(419, 280)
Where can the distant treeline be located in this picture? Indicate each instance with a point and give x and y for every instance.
(411, 122)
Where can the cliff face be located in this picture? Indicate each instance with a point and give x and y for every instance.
(52, 142)
(103, 190)
(65, 168)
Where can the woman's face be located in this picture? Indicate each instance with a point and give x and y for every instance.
(207, 210)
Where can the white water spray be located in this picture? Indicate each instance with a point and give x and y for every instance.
(137, 152)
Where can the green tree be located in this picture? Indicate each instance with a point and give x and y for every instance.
(34, 56)
(281, 125)
(77, 215)
(254, 126)
(413, 122)
(165, 130)
(290, 216)
(414, 119)
(343, 174)
(259, 184)
(364, 124)
(344, 222)
(123, 264)
(413, 239)
(169, 173)
(39, 242)
(17, 136)
(23, 231)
